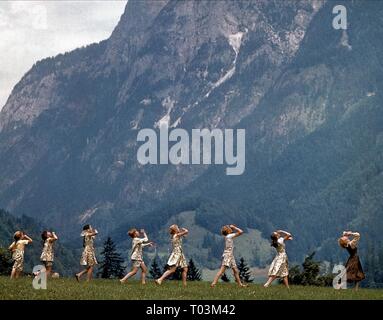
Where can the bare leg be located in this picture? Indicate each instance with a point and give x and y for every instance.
(48, 271)
(184, 276)
(269, 281)
(129, 275)
(79, 275)
(237, 278)
(286, 282)
(166, 274)
(218, 276)
(144, 270)
(13, 273)
(89, 274)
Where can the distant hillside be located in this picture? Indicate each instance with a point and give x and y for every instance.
(65, 259)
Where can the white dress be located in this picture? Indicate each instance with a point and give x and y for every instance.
(177, 257)
(280, 267)
(228, 259)
(137, 245)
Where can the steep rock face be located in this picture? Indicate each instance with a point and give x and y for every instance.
(314, 156)
(307, 95)
(68, 130)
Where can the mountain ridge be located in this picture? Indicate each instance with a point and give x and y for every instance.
(305, 93)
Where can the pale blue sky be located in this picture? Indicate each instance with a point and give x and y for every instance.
(33, 30)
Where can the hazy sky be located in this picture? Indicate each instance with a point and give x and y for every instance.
(32, 30)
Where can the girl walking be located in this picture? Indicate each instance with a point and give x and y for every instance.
(137, 260)
(279, 267)
(228, 261)
(177, 258)
(88, 257)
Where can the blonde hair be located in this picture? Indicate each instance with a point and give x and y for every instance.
(173, 229)
(343, 242)
(132, 232)
(226, 230)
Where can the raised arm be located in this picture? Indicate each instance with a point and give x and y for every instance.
(26, 237)
(286, 235)
(145, 238)
(54, 237)
(151, 244)
(92, 232)
(183, 232)
(356, 237)
(237, 230)
(12, 246)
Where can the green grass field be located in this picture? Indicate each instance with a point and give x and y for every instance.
(67, 289)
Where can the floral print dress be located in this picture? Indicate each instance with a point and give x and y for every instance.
(228, 259)
(137, 245)
(47, 256)
(177, 257)
(18, 255)
(280, 267)
(88, 257)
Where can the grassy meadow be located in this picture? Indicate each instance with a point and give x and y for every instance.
(99, 289)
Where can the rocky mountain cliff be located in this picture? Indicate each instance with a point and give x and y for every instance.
(308, 96)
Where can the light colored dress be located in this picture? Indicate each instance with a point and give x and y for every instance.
(18, 255)
(47, 256)
(280, 267)
(228, 259)
(177, 257)
(88, 257)
(137, 245)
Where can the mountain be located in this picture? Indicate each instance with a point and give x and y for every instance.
(308, 95)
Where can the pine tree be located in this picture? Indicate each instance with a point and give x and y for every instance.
(5, 262)
(244, 271)
(310, 270)
(155, 271)
(225, 278)
(194, 274)
(112, 263)
(310, 275)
